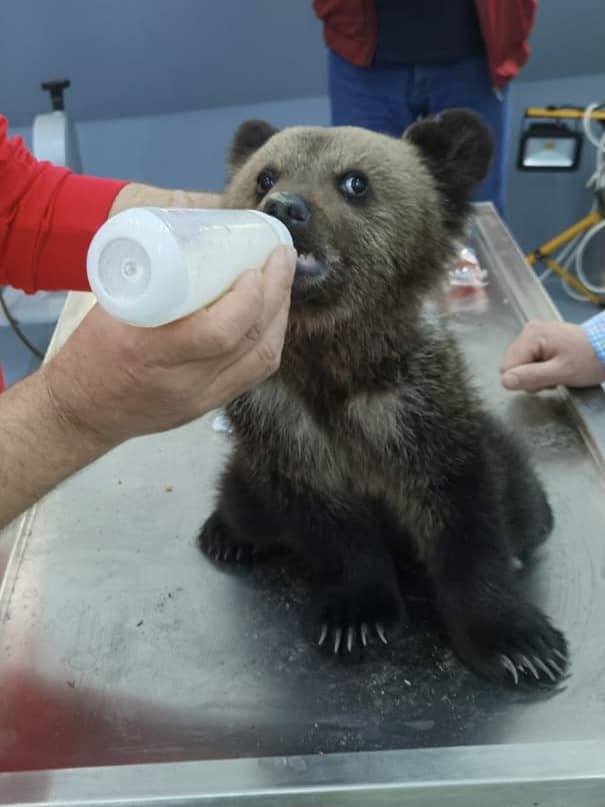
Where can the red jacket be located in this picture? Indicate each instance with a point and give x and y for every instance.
(350, 30)
(48, 216)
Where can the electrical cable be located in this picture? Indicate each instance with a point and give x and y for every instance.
(17, 329)
(571, 256)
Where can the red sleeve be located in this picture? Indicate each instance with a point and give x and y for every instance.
(48, 216)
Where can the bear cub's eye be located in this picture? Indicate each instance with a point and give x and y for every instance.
(264, 182)
(354, 185)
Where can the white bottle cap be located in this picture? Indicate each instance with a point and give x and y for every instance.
(136, 268)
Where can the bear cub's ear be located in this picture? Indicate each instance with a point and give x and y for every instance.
(457, 148)
(250, 136)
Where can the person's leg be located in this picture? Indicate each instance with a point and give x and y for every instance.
(371, 97)
(466, 84)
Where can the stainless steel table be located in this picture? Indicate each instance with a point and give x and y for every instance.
(132, 672)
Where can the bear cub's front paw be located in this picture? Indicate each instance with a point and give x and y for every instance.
(520, 647)
(344, 621)
(217, 543)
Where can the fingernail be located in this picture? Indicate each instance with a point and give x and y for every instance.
(511, 380)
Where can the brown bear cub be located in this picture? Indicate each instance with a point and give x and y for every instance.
(369, 442)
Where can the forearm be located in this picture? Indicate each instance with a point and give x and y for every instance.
(38, 447)
(136, 194)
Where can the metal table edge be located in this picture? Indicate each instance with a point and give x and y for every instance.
(543, 772)
(539, 771)
(585, 406)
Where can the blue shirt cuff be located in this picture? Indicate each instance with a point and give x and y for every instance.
(594, 328)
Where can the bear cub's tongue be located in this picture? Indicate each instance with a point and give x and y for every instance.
(308, 264)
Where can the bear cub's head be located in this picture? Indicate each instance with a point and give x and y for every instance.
(372, 217)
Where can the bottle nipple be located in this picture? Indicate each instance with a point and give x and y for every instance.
(124, 269)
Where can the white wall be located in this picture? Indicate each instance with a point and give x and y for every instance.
(185, 150)
(188, 150)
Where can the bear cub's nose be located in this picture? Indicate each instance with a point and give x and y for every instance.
(290, 208)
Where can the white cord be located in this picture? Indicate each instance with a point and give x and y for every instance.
(598, 289)
(564, 257)
(566, 263)
(573, 253)
(571, 292)
(597, 178)
(587, 124)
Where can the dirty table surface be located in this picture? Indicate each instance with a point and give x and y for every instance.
(126, 657)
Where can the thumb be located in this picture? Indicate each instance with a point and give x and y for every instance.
(532, 377)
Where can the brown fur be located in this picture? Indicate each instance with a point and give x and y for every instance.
(370, 437)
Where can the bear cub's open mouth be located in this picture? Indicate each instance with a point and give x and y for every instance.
(308, 265)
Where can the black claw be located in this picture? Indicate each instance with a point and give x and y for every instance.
(553, 664)
(527, 663)
(323, 635)
(510, 667)
(363, 632)
(542, 666)
(380, 632)
(350, 638)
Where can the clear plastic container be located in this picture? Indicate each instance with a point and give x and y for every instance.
(149, 266)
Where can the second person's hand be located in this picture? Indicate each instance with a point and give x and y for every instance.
(549, 353)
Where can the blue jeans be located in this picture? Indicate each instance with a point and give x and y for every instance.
(388, 99)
